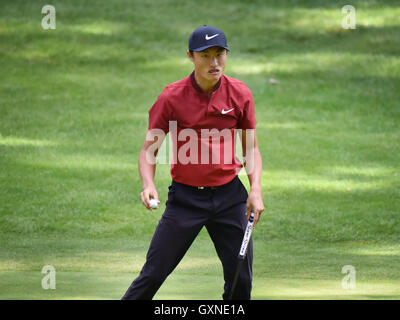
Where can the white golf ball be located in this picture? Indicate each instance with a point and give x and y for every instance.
(153, 203)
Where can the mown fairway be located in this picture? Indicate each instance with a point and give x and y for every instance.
(73, 116)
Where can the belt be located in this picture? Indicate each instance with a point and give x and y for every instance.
(218, 187)
(206, 188)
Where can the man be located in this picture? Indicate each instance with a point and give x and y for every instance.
(203, 192)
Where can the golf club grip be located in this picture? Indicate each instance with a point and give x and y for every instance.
(242, 253)
(246, 237)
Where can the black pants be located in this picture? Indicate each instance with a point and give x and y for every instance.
(222, 211)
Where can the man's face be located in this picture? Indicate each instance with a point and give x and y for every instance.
(210, 63)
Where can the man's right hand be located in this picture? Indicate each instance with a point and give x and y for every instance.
(147, 194)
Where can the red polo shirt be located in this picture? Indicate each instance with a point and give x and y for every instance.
(201, 118)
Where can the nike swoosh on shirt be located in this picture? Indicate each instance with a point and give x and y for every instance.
(226, 111)
(210, 37)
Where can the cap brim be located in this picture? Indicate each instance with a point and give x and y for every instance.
(209, 46)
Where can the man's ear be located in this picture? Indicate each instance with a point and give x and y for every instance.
(190, 55)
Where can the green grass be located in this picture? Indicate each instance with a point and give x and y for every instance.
(73, 106)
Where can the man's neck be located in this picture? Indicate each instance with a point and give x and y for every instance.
(206, 86)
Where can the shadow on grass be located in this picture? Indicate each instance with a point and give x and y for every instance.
(282, 270)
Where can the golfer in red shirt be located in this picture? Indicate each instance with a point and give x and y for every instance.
(203, 114)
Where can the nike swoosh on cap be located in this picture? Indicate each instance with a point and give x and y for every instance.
(210, 37)
(226, 111)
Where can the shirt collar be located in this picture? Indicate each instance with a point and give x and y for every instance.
(197, 87)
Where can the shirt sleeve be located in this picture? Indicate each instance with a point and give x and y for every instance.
(248, 119)
(159, 114)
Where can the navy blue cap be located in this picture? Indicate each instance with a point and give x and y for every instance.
(205, 37)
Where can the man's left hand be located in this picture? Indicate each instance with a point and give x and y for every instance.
(255, 204)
